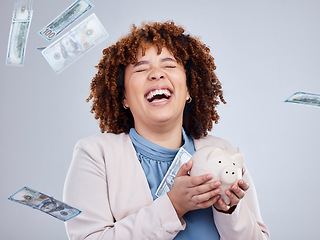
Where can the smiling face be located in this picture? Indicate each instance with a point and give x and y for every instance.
(155, 89)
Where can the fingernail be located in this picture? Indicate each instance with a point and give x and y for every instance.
(228, 193)
(217, 190)
(217, 183)
(209, 176)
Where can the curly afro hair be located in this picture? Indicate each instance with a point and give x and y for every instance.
(107, 86)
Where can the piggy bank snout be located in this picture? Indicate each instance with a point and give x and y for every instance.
(229, 175)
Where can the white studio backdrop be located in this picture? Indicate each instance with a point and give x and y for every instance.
(264, 50)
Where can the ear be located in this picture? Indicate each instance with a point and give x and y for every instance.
(203, 154)
(238, 159)
(124, 100)
(215, 152)
(188, 95)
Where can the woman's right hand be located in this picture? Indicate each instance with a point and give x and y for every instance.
(190, 193)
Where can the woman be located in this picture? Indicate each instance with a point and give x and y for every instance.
(155, 91)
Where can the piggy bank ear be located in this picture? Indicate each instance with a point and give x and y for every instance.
(201, 154)
(238, 159)
(215, 153)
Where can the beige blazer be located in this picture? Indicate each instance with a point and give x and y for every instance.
(106, 181)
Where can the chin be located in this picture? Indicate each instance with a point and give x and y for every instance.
(164, 118)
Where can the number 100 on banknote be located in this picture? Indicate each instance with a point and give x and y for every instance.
(76, 10)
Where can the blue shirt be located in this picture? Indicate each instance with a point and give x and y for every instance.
(155, 161)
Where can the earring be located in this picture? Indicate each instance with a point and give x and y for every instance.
(189, 99)
(125, 107)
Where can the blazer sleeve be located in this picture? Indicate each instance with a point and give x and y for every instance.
(86, 187)
(246, 221)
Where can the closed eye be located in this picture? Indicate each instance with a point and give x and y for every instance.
(170, 66)
(141, 70)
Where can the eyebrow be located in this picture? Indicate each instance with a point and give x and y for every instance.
(142, 62)
(168, 59)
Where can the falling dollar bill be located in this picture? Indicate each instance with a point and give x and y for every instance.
(44, 203)
(21, 19)
(305, 98)
(167, 182)
(72, 13)
(75, 43)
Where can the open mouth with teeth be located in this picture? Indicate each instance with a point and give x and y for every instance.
(158, 95)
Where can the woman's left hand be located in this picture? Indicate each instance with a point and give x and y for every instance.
(235, 194)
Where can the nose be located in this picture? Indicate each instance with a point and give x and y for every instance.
(156, 74)
(230, 175)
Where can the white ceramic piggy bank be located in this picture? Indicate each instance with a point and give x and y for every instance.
(223, 165)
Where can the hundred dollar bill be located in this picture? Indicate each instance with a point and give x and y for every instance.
(21, 19)
(72, 13)
(166, 184)
(305, 98)
(75, 43)
(44, 203)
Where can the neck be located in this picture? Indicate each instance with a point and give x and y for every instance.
(166, 137)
